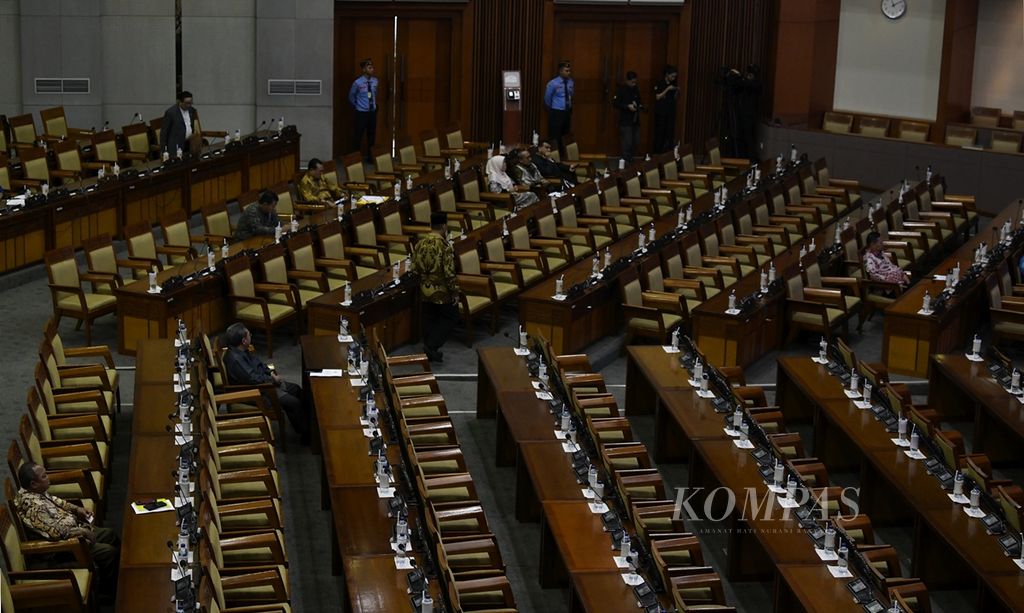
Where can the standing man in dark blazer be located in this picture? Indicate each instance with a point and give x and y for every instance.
(180, 128)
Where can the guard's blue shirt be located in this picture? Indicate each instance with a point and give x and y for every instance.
(559, 93)
(363, 94)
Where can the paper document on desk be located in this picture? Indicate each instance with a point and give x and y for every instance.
(145, 508)
(332, 373)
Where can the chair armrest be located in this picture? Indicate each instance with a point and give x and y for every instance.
(91, 351)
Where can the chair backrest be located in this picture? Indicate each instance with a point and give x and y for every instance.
(62, 269)
(469, 185)
(33, 161)
(916, 131)
(216, 220)
(353, 163)
(5, 170)
(174, 226)
(431, 143)
(54, 122)
(406, 151)
(332, 242)
(837, 122)
(453, 136)
(139, 237)
(272, 261)
(961, 136)
(1006, 142)
(240, 278)
(13, 558)
(419, 205)
(873, 126)
(985, 116)
(382, 160)
(23, 129)
(794, 283)
(714, 151)
(1017, 123)
(104, 144)
(467, 256)
(285, 201)
(68, 155)
(1010, 501)
(589, 198)
(572, 148)
(519, 231)
(362, 226)
(300, 249)
(390, 213)
(136, 138)
(494, 245)
(632, 291)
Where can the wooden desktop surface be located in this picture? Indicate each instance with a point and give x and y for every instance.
(144, 578)
(949, 548)
(910, 338)
(961, 389)
(107, 207)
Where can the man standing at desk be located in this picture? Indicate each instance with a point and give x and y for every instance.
(259, 218)
(178, 130)
(363, 98)
(434, 260)
(558, 97)
(57, 519)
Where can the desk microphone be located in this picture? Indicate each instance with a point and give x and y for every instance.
(134, 117)
(106, 125)
(260, 127)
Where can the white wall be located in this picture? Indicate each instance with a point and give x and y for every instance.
(889, 67)
(999, 55)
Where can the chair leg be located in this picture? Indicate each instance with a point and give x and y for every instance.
(88, 331)
(270, 341)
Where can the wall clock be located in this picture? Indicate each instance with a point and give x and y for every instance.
(894, 9)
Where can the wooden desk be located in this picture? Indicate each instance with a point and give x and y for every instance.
(949, 548)
(543, 474)
(810, 588)
(499, 371)
(572, 540)
(959, 388)
(911, 338)
(392, 313)
(574, 323)
(107, 206)
(144, 578)
(373, 585)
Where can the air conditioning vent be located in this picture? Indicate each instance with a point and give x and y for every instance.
(309, 87)
(280, 87)
(63, 86)
(290, 87)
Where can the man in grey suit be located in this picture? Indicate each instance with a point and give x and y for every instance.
(179, 128)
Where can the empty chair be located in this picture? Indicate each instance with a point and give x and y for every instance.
(840, 123)
(961, 136)
(69, 299)
(985, 116)
(263, 305)
(877, 127)
(142, 246)
(104, 145)
(916, 131)
(1006, 142)
(55, 125)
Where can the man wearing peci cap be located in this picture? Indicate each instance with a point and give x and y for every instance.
(434, 260)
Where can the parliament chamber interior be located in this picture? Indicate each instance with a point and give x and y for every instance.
(538, 306)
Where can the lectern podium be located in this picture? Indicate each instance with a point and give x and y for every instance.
(512, 107)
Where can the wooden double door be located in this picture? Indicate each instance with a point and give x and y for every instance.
(415, 56)
(602, 48)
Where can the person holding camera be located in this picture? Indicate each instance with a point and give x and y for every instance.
(627, 100)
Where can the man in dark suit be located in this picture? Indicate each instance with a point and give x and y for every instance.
(179, 129)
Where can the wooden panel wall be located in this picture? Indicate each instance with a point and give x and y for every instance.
(725, 33)
(956, 79)
(505, 36)
(806, 47)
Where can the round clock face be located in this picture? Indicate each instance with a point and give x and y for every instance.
(894, 9)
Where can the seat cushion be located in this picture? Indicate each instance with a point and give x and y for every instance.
(477, 303)
(668, 321)
(93, 302)
(253, 312)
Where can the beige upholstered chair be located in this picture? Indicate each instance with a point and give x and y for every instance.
(840, 123)
(69, 299)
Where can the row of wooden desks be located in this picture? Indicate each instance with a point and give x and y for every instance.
(576, 551)
(959, 388)
(203, 301)
(144, 579)
(109, 206)
(360, 530)
(950, 549)
(762, 543)
(911, 338)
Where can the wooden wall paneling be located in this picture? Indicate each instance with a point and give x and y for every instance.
(98, 216)
(361, 32)
(804, 67)
(506, 36)
(426, 47)
(724, 33)
(23, 242)
(956, 77)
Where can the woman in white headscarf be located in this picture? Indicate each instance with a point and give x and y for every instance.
(499, 182)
